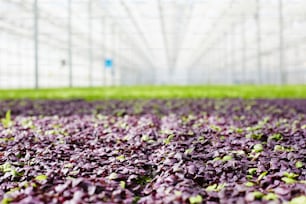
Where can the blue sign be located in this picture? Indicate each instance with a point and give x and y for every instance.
(109, 63)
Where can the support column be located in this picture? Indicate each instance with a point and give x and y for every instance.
(225, 59)
(233, 62)
(281, 44)
(103, 49)
(244, 50)
(259, 57)
(90, 43)
(70, 44)
(36, 42)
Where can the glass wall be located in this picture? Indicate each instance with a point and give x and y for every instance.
(67, 43)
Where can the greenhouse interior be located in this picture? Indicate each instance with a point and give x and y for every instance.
(153, 101)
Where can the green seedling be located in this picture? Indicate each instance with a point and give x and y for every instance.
(41, 177)
(299, 164)
(7, 121)
(276, 137)
(257, 148)
(121, 158)
(215, 187)
(288, 180)
(290, 175)
(258, 195)
(169, 139)
(122, 184)
(298, 200)
(279, 148)
(252, 171)
(113, 176)
(262, 175)
(227, 158)
(196, 199)
(270, 196)
(254, 136)
(189, 151)
(6, 200)
(249, 184)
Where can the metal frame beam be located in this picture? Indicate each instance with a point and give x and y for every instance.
(36, 42)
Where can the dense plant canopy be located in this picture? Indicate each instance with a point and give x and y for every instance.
(153, 151)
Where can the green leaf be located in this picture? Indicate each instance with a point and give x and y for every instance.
(298, 200)
(14, 190)
(252, 171)
(6, 200)
(217, 159)
(8, 115)
(227, 158)
(239, 130)
(201, 139)
(215, 187)
(258, 148)
(41, 177)
(69, 165)
(15, 173)
(276, 137)
(279, 148)
(238, 152)
(290, 175)
(169, 139)
(145, 138)
(249, 184)
(7, 121)
(262, 175)
(6, 167)
(212, 187)
(258, 195)
(270, 196)
(288, 180)
(302, 182)
(283, 149)
(122, 184)
(196, 199)
(189, 151)
(254, 136)
(121, 158)
(299, 164)
(112, 176)
(143, 180)
(136, 199)
(177, 193)
(221, 186)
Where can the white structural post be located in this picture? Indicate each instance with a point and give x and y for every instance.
(112, 36)
(115, 71)
(281, 44)
(36, 43)
(119, 67)
(259, 59)
(103, 49)
(233, 61)
(221, 63)
(244, 49)
(226, 64)
(70, 43)
(90, 43)
(228, 57)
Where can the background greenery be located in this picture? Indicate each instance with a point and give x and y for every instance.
(159, 92)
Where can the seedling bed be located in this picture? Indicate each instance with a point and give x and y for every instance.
(153, 151)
